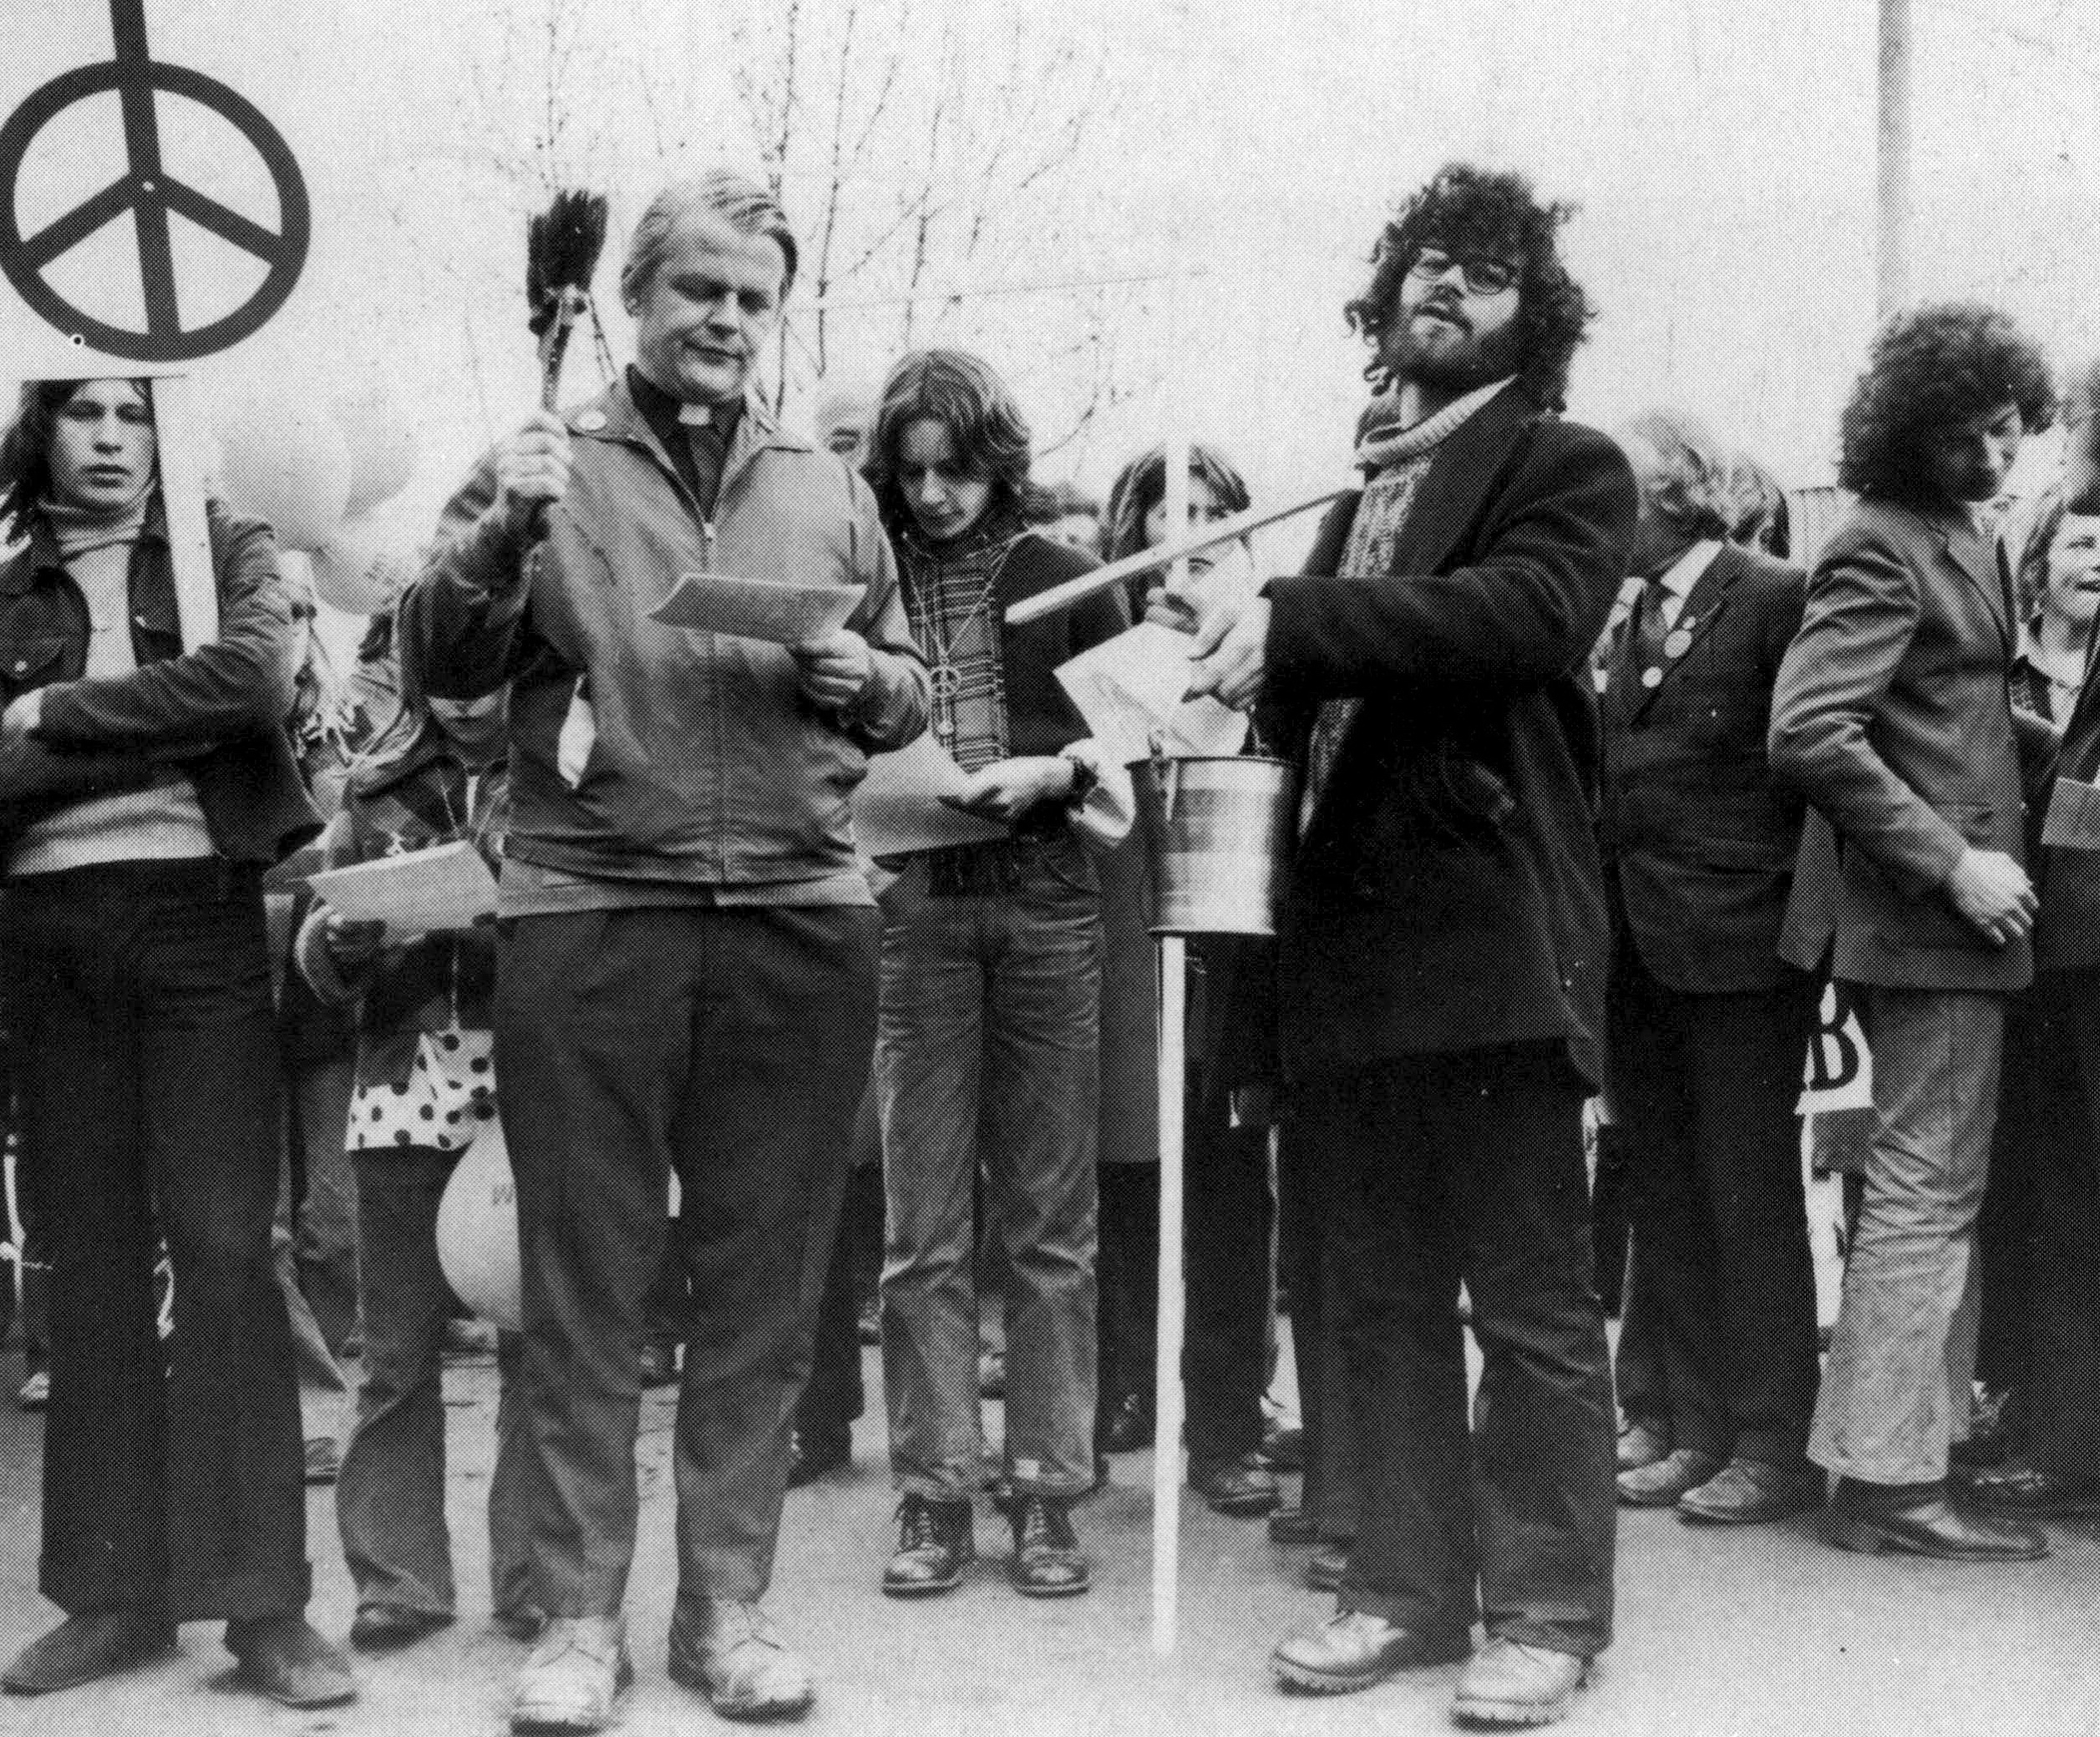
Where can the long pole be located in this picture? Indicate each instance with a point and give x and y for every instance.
(1166, 1402)
(1166, 1407)
(1893, 159)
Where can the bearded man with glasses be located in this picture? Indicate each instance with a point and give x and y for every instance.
(1443, 950)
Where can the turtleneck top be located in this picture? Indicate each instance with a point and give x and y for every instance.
(163, 822)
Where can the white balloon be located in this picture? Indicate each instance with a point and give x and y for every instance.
(358, 571)
(383, 446)
(478, 1232)
(283, 459)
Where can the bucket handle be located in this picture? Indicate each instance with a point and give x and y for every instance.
(1166, 774)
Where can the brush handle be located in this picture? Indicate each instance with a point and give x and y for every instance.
(554, 344)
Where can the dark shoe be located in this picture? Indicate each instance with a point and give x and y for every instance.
(1662, 1483)
(324, 1460)
(1125, 1427)
(574, 1674)
(727, 1649)
(935, 1541)
(1922, 1524)
(1283, 1448)
(1509, 1683)
(88, 1644)
(1352, 1650)
(810, 1456)
(281, 1657)
(2027, 1491)
(1996, 1426)
(1244, 1487)
(1749, 1492)
(385, 1628)
(1046, 1561)
(659, 1364)
(1293, 1525)
(1642, 1443)
(1329, 1563)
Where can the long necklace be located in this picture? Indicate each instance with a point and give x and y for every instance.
(947, 679)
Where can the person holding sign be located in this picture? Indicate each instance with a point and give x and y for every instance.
(1893, 716)
(688, 974)
(1441, 950)
(144, 785)
(990, 984)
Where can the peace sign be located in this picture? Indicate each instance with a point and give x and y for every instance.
(150, 194)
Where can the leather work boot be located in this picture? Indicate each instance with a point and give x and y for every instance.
(726, 1649)
(1046, 1561)
(935, 1541)
(88, 1645)
(1509, 1683)
(576, 1670)
(1354, 1649)
(282, 1656)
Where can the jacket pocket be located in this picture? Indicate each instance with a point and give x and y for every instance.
(31, 662)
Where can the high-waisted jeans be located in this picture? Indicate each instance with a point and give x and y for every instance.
(988, 1026)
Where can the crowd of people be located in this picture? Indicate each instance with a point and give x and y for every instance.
(1599, 782)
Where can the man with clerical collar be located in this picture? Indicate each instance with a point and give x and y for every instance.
(688, 971)
(1706, 1026)
(1443, 947)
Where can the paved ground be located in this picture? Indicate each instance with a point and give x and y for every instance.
(1763, 1634)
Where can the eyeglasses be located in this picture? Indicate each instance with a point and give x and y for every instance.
(1483, 277)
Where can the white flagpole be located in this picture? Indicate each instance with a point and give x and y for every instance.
(1167, 1399)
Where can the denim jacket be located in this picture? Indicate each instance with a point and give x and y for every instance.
(217, 712)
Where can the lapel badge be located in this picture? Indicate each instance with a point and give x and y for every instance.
(1679, 641)
(592, 421)
(1651, 678)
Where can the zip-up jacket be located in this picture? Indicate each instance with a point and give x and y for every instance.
(217, 713)
(708, 765)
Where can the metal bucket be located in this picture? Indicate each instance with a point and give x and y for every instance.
(1218, 832)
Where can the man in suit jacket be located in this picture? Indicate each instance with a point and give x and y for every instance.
(1441, 960)
(1892, 715)
(1706, 1027)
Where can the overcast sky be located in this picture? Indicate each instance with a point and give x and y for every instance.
(1722, 152)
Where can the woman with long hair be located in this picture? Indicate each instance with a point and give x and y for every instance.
(139, 986)
(990, 980)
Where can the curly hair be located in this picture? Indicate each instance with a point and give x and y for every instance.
(25, 449)
(1932, 367)
(1142, 485)
(1465, 210)
(963, 393)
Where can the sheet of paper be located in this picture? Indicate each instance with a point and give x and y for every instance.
(448, 886)
(898, 809)
(777, 611)
(1131, 685)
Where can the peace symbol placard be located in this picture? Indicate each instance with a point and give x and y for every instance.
(149, 193)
